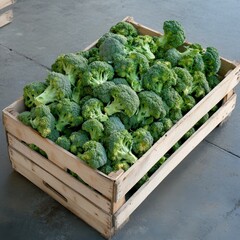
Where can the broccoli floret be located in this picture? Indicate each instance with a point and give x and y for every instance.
(84, 99)
(143, 180)
(202, 121)
(200, 85)
(68, 113)
(141, 61)
(213, 81)
(53, 136)
(63, 142)
(175, 114)
(102, 91)
(77, 140)
(175, 147)
(126, 67)
(172, 98)
(173, 37)
(188, 103)
(113, 124)
(31, 91)
(125, 100)
(120, 81)
(119, 145)
(142, 141)
(188, 134)
(111, 48)
(92, 108)
(42, 120)
(98, 72)
(157, 76)
(71, 65)
(157, 130)
(94, 128)
(124, 28)
(25, 118)
(184, 81)
(122, 39)
(94, 154)
(151, 105)
(107, 168)
(167, 124)
(121, 165)
(37, 149)
(157, 165)
(131, 123)
(91, 54)
(59, 87)
(212, 61)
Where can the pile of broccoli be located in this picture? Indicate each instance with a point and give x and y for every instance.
(108, 105)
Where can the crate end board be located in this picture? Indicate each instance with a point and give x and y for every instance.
(6, 18)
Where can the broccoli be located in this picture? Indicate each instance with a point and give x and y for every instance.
(212, 61)
(110, 49)
(68, 113)
(188, 103)
(213, 80)
(188, 134)
(157, 76)
(25, 118)
(31, 91)
(173, 37)
(94, 154)
(121, 165)
(119, 145)
(157, 130)
(53, 136)
(175, 114)
(184, 81)
(200, 85)
(63, 142)
(125, 100)
(175, 147)
(142, 141)
(167, 124)
(84, 99)
(120, 81)
(98, 72)
(141, 62)
(37, 149)
(132, 122)
(94, 128)
(42, 120)
(122, 39)
(92, 108)
(157, 165)
(113, 124)
(106, 168)
(59, 87)
(143, 180)
(124, 28)
(151, 106)
(102, 91)
(77, 140)
(91, 54)
(202, 121)
(71, 65)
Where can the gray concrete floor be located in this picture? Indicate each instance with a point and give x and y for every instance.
(200, 199)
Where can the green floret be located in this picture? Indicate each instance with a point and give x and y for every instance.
(212, 61)
(188, 103)
(120, 81)
(200, 85)
(151, 106)
(184, 81)
(113, 124)
(142, 141)
(173, 37)
(121, 165)
(167, 124)
(68, 114)
(31, 91)
(94, 154)
(25, 118)
(63, 142)
(157, 76)
(189, 133)
(157, 165)
(141, 62)
(107, 168)
(93, 108)
(157, 130)
(111, 48)
(202, 120)
(131, 123)
(91, 54)
(213, 81)
(125, 100)
(98, 72)
(59, 87)
(143, 180)
(175, 114)
(124, 28)
(102, 91)
(71, 65)
(119, 146)
(53, 136)
(38, 150)
(77, 140)
(42, 120)
(94, 128)
(172, 98)
(122, 39)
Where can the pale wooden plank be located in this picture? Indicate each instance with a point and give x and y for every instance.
(60, 174)
(70, 205)
(60, 187)
(6, 18)
(126, 210)
(5, 3)
(127, 180)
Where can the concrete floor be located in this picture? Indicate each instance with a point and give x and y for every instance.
(200, 199)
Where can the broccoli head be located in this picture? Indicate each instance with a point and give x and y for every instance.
(157, 165)
(142, 141)
(124, 28)
(121, 165)
(157, 130)
(120, 81)
(68, 114)
(188, 103)
(122, 39)
(202, 120)
(93, 108)
(119, 146)
(113, 124)
(175, 114)
(25, 118)
(77, 140)
(106, 168)
(31, 91)
(188, 134)
(125, 100)
(102, 91)
(63, 142)
(94, 154)
(167, 124)
(213, 80)
(94, 128)
(59, 87)
(54, 135)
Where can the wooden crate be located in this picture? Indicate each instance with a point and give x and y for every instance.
(101, 201)
(7, 16)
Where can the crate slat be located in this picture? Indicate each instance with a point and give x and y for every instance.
(6, 18)
(6, 3)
